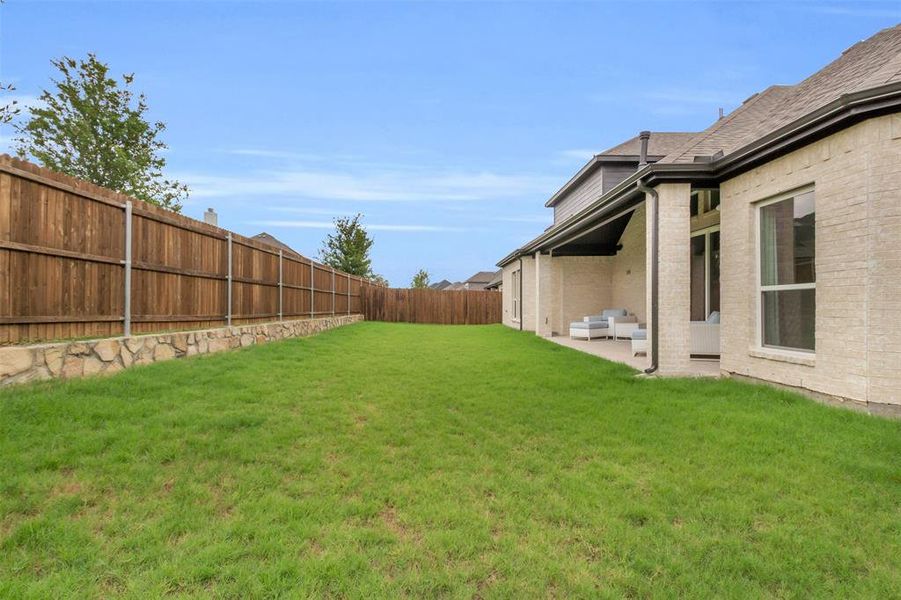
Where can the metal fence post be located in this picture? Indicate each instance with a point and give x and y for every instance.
(127, 263)
(312, 296)
(228, 316)
(333, 291)
(280, 313)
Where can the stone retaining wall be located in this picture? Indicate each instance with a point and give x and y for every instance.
(20, 364)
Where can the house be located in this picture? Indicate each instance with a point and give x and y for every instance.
(496, 282)
(782, 220)
(275, 242)
(479, 281)
(441, 285)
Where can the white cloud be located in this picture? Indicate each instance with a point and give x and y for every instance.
(381, 185)
(369, 226)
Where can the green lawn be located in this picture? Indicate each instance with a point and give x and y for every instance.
(385, 460)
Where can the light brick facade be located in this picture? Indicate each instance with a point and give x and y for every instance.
(673, 277)
(856, 174)
(856, 177)
(560, 289)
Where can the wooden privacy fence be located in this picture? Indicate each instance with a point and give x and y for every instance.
(462, 307)
(78, 260)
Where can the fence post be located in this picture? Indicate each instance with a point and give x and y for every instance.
(228, 316)
(280, 285)
(333, 291)
(127, 263)
(312, 294)
(348, 293)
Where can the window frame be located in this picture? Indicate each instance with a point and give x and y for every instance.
(760, 288)
(706, 233)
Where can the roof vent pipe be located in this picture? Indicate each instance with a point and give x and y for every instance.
(643, 138)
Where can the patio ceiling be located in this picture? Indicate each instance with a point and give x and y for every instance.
(600, 239)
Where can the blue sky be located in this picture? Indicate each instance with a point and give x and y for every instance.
(446, 124)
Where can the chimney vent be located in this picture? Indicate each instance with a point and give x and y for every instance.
(211, 217)
(643, 138)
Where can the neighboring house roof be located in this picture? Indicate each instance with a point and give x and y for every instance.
(864, 81)
(273, 241)
(481, 277)
(444, 283)
(496, 280)
(455, 286)
(660, 144)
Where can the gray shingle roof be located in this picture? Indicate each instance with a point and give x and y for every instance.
(273, 241)
(660, 143)
(481, 277)
(868, 64)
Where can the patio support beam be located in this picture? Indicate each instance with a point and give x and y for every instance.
(544, 294)
(674, 277)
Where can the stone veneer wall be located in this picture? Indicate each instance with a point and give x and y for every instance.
(20, 364)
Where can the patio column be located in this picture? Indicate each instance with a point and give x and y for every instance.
(673, 279)
(544, 294)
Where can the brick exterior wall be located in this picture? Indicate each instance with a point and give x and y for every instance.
(856, 175)
(563, 289)
(528, 294)
(673, 278)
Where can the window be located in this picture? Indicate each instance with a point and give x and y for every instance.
(514, 283)
(703, 201)
(787, 278)
(705, 273)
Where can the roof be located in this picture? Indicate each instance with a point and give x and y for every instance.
(481, 277)
(440, 285)
(497, 279)
(864, 81)
(273, 241)
(868, 64)
(660, 143)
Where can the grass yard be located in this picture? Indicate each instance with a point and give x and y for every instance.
(386, 460)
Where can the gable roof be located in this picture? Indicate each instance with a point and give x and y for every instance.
(440, 285)
(481, 277)
(660, 144)
(273, 241)
(868, 64)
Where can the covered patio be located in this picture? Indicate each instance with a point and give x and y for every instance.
(621, 351)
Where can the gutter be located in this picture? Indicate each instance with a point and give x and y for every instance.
(654, 245)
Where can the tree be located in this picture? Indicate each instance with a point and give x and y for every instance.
(379, 280)
(10, 110)
(91, 128)
(348, 248)
(421, 279)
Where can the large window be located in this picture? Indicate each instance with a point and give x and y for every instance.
(787, 289)
(517, 302)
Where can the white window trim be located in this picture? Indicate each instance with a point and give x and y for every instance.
(758, 348)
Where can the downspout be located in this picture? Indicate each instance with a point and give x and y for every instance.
(519, 304)
(654, 276)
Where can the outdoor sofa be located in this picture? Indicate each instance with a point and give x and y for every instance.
(611, 323)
